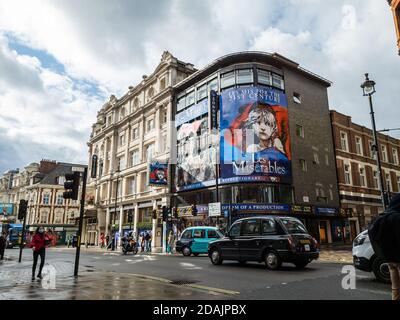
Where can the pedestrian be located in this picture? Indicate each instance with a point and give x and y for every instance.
(148, 242)
(107, 241)
(384, 234)
(3, 243)
(113, 242)
(171, 241)
(142, 242)
(102, 240)
(38, 245)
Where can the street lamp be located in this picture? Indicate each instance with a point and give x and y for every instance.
(368, 88)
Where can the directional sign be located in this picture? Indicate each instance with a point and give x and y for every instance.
(214, 209)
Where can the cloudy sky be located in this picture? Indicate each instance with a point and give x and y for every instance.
(61, 60)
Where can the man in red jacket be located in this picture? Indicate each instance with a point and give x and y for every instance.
(38, 245)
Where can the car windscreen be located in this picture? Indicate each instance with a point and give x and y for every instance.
(293, 226)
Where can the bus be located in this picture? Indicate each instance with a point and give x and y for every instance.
(13, 232)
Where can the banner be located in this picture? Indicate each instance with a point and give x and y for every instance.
(196, 156)
(6, 209)
(158, 173)
(254, 136)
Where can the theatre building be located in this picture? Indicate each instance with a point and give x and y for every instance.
(256, 127)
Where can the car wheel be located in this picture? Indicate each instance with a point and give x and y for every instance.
(215, 257)
(186, 251)
(381, 270)
(242, 262)
(196, 254)
(301, 264)
(272, 260)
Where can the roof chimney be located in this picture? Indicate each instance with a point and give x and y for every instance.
(47, 166)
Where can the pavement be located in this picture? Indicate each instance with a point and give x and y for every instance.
(111, 275)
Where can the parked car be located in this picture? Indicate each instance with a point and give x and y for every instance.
(269, 239)
(365, 259)
(194, 240)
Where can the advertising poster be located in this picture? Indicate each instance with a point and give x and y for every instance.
(158, 173)
(196, 156)
(6, 209)
(254, 141)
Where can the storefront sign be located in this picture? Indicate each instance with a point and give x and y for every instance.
(255, 139)
(301, 209)
(257, 207)
(6, 209)
(214, 209)
(326, 211)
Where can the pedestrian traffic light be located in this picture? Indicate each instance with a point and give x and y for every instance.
(71, 185)
(154, 214)
(175, 212)
(194, 210)
(164, 213)
(23, 206)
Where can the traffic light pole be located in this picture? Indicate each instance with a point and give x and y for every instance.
(78, 247)
(21, 245)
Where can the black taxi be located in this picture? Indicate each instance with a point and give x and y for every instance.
(269, 239)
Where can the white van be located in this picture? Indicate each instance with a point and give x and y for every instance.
(365, 259)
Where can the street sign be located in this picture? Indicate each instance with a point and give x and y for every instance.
(78, 169)
(214, 209)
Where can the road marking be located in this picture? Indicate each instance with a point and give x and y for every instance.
(211, 290)
(189, 266)
(116, 264)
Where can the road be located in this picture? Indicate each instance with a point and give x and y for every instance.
(319, 280)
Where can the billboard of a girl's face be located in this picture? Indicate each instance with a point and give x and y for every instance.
(255, 141)
(158, 173)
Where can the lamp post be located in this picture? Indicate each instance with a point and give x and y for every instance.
(115, 203)
(368, 88)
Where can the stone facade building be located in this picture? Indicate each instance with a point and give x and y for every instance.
(358, 178)
(42, 185)
(130, 132)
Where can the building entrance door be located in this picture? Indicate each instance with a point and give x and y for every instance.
(323, 232)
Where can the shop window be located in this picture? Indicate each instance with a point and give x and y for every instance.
(227, 80)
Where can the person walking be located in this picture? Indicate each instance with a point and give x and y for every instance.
(102, 240)
(384, 234)
(171, 240)
(3, 243)
(148, 241)
(38, 245)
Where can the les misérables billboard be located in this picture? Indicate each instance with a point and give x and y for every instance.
(254, 136)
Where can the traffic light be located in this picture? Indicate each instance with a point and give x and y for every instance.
(175, 212)
(164, 213)
(23, 206)
(71, 185)
(130, 216)
(154, 214)
(194, 210)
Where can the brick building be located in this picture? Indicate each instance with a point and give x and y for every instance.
(358, 178)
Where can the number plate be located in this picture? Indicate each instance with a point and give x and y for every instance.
(307, 247)
(305, 241)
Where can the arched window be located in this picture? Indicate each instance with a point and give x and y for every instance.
(122, 114)
(150, 93)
